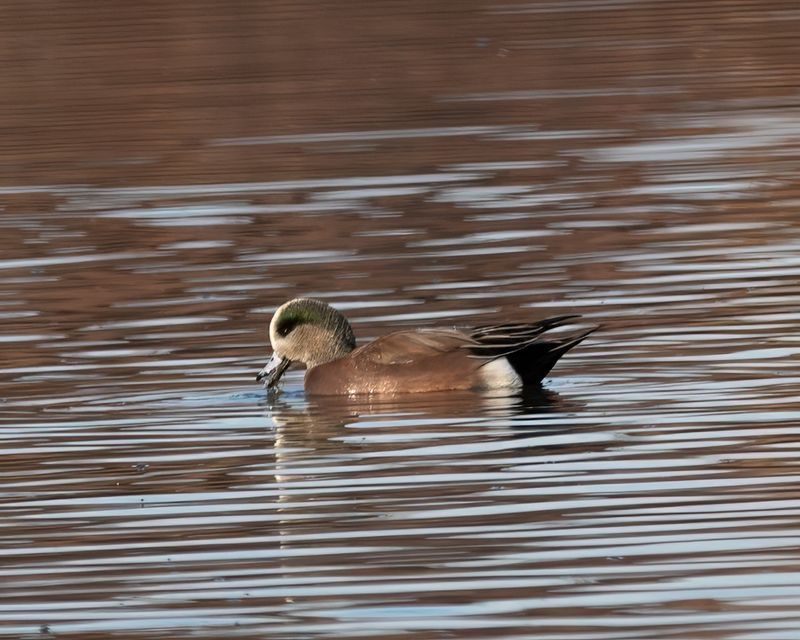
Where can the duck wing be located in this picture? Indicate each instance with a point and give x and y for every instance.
(529, 348)
(404, 347)
(498, 340)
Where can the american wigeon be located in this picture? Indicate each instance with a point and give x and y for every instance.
(312, 333)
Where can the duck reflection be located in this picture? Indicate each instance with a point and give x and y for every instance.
(316, 418)
(396, 484)
(317, 435)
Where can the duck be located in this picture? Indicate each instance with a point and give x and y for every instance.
(311, 333)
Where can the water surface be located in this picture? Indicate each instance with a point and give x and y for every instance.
(171, 174)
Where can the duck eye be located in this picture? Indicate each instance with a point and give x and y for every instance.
(285, 328)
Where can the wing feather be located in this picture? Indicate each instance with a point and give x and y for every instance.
(404, 347)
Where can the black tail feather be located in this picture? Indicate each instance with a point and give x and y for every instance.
(534, 362)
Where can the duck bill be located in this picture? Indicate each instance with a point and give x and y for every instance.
(273, 370)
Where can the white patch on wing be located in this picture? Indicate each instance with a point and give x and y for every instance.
(498, 374)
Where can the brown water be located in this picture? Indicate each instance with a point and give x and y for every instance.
(171, 172)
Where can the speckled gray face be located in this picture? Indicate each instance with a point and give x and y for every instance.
(306, 332)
